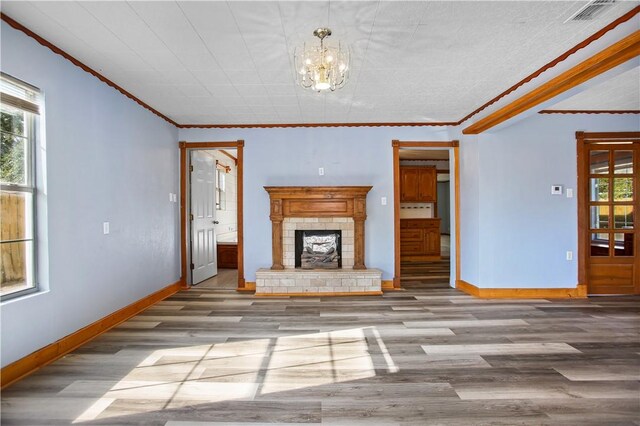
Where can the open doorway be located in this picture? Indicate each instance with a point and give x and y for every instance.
(211, 214)
(426, 199)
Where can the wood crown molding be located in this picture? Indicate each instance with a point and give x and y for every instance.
(580, 291)
(44, 356)
(589, 111)
(614, 55)
(55, 49)
(290, 125)
(622, 19)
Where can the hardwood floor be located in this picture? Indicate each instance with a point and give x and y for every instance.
(426, 275)
(419, 357)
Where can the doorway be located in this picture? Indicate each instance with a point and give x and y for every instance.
(211, 200)
(608, 206)
(426, 209)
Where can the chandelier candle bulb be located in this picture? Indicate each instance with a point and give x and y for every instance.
(323, 67)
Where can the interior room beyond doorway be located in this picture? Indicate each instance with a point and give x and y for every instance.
(425, 218)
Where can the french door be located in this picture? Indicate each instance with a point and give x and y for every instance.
(608, 181)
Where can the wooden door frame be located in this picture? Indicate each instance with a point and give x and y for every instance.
(582, 193)
(184, 148)
(397, 145)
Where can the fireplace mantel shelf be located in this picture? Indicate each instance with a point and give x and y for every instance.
(318, 201)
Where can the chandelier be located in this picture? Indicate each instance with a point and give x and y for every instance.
(322, 67)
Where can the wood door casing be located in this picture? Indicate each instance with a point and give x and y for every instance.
(608, 182)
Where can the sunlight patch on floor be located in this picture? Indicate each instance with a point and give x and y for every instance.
(242, 370)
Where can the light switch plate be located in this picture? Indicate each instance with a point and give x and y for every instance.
(321, 171)
(383, 201)
(105, 228)
(569, 192)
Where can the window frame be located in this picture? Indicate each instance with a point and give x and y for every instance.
(32, 129)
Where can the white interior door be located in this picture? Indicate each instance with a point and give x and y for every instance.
(203, 219)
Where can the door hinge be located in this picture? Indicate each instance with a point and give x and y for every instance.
(191, 217)
(192, 267)
(190, 168)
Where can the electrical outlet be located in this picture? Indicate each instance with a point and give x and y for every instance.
(569, 255)
(171, 197)
(105, 228)
(321, 171)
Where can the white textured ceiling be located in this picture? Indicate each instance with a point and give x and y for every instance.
(621, 92)
(231, 62)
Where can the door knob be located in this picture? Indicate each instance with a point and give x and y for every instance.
(215, 222)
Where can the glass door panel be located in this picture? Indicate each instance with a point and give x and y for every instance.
(623, 162)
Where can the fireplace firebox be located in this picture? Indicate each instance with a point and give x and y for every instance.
(318, 249)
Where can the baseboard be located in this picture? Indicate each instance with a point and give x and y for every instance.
(388, 285)
(354, 293)
(522, 293)
(249, 286)
(38, 359)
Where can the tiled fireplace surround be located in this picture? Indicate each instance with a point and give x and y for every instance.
(291, 224)
(318, 208)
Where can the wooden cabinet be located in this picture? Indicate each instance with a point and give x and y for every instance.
(228, 256)
(418, 184)
(420, 239)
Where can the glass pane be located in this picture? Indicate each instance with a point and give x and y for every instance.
(623, 162)
(623, 244)
(12, 120)
(623, 217)
(599, 189)
(599, 162)
(599, 217)
(599, 244)
(13, 159)
(623, 189)
(16, 211)
(16, 266)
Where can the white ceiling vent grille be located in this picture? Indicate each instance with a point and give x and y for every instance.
(590, 10)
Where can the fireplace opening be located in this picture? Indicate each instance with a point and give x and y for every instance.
(315, 249)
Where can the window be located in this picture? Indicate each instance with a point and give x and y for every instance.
(19, 109)
(221, 196)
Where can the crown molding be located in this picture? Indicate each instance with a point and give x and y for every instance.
(614, 55)
(288, 125)
(622, 19)
(55, 49)
(589, 111)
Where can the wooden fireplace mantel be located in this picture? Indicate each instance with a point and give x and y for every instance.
(318, 201)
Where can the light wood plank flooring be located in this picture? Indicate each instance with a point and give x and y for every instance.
(417, 357)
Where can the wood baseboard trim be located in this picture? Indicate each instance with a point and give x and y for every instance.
(522, 293)
(44, 356)
(355, 293)
(389, 285)
(249, 287)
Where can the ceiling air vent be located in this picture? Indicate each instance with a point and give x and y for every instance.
(590, 10)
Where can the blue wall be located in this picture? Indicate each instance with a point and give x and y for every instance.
(514, 232)
(107, 159)
(292, 156)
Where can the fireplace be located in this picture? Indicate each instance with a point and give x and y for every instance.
(329, 222)
(317, 249)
